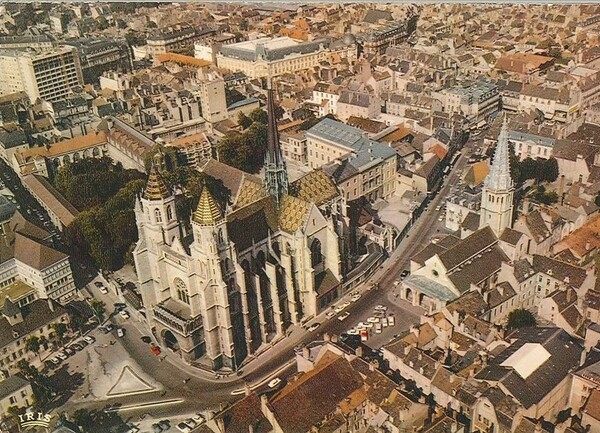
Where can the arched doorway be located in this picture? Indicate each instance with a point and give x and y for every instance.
(408, 295)
(170, 340)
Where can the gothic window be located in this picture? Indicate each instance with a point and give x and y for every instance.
(182, 292)
(220, 236)
(169, 213)
(316, 256)
(157, 215)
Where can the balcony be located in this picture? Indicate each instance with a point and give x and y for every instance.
(177, 316)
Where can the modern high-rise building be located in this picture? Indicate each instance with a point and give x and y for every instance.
(263, 258)
(213, 100)
(49, 75)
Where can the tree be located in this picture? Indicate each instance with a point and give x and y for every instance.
(102, 23)
(40, 383)
(83, 418)
(547, 170)
(60, 329)
(244, 120)
(259, 115)
(76, 323)
(152, 25)
(99, 308)
(520, 318)
(32, 344)
(121, 23)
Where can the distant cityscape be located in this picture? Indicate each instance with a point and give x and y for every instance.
(299, 218)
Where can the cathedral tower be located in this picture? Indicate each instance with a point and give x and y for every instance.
(276, 178)
(498, 188)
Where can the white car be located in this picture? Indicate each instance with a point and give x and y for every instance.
(373, 319)
(441, 218)
(346, 304)
(199, 419)
(124, 314)
(62, 356)
(89, 339)
(190, 422)
(384, 322)
(356, 297)
(352, 331)
(378, 328)
(120, 332)
(313, 327)
(396, 282)
(339, 309)
(103, 290)
(274, 382)
(330, 314)
(380, 307)
(343, 317)
(364, 325)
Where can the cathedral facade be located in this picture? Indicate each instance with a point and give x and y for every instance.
(270, 258)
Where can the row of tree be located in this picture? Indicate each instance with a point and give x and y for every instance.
(540, 170)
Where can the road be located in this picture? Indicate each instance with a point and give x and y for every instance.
(181, 383)
(199, 393)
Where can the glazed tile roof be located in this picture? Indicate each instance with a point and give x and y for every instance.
(156, 186)
(315, 187)
(293, 213)
(249, 192)
(208, 211)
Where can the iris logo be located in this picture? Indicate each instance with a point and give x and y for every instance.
(32, 419)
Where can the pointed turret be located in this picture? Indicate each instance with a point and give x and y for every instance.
(499, 177)
(276, 178)
(156, 186)
(208, 212)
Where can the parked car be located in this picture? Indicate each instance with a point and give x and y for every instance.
(190, 422)
(274, 382)
(313, 327)
(165, 424)
(378, 328)
(356, 297)
(198, 418)
(373, 319)
(49, 364)
(339, 308)
(89, 339)
(120, 332)
(155, 350)
(103, 290)
(404, 273)
(83, 343)
(108, 328)
(343, 317)
(55, 360)
(76, 346)
(69, 351)
(62, 356)
(146, 339)
(124, 314)
(330, 314)
(184, 428)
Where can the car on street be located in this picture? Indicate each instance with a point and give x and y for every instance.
(356, 297)
(346, 304)
(441, 218)
(373, 319)
(62, 356)
(343, 317)
(330, 314)
(274, 382)
(83, 343)
(49, 364)
(119, 306)
(146, 339)
(155, 350)
(190, 422)
(55, 360)
(299, 347)
(391, 320)
(103, 290)
(384, 322)
(184, 428)
(378, 328)
(313, 327)
(404, 273)
(381, 307)
(120, 332)
(339, 308)
(69, 351)
(199, 419)
(89, 339)
(124, 314)
(352, 331)
(107, 328)
(75, 346)
(164, 424)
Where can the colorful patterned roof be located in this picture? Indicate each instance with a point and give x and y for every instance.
(315, 187)
(293, 213)
(156, 187)
(249, 193)
(208, 211)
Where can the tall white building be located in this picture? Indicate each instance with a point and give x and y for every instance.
(213, 100)
(49, 75)
(498, 189)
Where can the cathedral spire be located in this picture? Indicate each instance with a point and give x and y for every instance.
(208, 212)
(156, 186)
(499, 177)
(276, 179)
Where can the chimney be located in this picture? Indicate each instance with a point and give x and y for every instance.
(587, 245)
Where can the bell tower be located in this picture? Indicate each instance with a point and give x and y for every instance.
(498, 188)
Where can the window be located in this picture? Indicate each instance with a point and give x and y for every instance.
(316, 256)
(157, 215)
(182, 293)
(169, 213)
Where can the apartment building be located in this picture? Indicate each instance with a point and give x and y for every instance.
(102, 55)
(172, 39)
(48, 75)
(213, 101)
(357, 104)
(360, 167)
(476, 101)
(270, 57)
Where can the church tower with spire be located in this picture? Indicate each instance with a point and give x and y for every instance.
(498, 188)
(276, 178)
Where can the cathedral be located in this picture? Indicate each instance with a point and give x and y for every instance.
(269, 258)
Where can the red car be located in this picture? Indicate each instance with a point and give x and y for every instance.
(155, 350)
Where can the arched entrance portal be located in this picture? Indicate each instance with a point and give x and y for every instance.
(170, 341)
